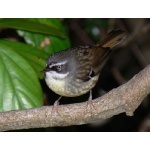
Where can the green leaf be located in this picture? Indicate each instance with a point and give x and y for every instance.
(19, 85)
(32, 26)
(50, 44)
(35, 57)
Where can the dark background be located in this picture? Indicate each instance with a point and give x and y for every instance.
(129, 58)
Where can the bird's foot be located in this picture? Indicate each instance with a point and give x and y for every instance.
(55, 107)
(90, 104)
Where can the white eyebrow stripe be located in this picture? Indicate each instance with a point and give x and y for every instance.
(56, 64)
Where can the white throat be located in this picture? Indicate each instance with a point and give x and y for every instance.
(56, 82)
(54, 75)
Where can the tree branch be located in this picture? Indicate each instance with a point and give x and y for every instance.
(125, 98)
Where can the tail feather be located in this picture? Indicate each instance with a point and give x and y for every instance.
(112, 39)
(103, 51)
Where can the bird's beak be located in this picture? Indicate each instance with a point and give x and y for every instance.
(45, 70)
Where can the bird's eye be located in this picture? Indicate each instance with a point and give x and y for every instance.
(59, 67)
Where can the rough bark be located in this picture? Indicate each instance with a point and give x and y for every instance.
(126, 98)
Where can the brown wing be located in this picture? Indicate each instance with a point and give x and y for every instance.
(84, 58)
(92, 59)
(103, 49)
(101, 56)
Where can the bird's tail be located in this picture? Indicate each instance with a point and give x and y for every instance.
(102, 50)
(112, 39)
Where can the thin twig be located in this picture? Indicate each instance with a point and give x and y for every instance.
(138, 54)
(117, 75)
(79, 31)
(141, 29)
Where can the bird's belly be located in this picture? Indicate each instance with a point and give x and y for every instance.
(57, 86)
(71, 88)
(77, 88)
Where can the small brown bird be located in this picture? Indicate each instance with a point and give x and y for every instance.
(75, 71)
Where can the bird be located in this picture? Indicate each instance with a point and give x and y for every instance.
(75, 71)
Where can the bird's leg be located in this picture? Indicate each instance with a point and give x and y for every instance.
(55, 106)
(89, 102)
